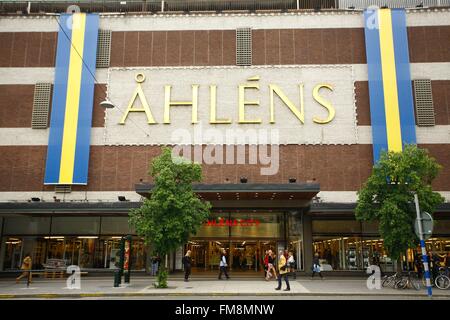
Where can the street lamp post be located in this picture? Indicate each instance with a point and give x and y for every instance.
(422, 246)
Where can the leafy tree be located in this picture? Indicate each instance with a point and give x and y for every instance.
(173, 212)
(388, 196)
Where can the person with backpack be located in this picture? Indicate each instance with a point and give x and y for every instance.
(223, 265)
(187, 262)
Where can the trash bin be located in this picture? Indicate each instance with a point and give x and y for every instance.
(117, 279)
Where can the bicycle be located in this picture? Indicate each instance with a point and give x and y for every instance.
(389, 281)
(411, 281)
(442, 281)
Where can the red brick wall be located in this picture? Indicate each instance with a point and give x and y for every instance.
(217, 47)
(336, 168)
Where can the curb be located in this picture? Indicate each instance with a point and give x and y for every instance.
(213, 294)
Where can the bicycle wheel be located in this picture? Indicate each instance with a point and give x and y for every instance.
(400, 284)
(415, 281)
(416, 284)
(386, 281)
(442, 282)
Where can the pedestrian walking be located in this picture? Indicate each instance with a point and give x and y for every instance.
(291, 264)
(316, 266)
(283, 271)
(187, 262)
(155, 265)
(26, 267)
(266, 263)
(223, 265)
(271, 267)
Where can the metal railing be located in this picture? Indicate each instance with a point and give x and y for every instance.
(141, 6)
(362, 4)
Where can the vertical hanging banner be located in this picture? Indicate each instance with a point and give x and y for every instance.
(390, 90)
(73, 98)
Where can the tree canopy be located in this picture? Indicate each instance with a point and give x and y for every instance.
(173, 212)
(388, 196)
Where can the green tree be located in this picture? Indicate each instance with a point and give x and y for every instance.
(388, 196)
(173, 212)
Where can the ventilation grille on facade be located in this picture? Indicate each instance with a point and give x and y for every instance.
(244, 47)
(63, 188)
(41, 105)
(424, 102)
(103, 48)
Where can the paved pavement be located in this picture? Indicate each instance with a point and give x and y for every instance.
(141, 287)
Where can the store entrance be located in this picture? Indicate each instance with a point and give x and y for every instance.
(244, 256)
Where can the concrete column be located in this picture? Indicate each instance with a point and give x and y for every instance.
(307, 242)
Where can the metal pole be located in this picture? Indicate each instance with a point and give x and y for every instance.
(422, 246)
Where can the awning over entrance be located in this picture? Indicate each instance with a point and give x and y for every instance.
(250, 195)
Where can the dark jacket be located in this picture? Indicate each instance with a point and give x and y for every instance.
(187, 261)
(316, 261)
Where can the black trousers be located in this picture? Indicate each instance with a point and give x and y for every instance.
(224, 271)
(286, 279)
(187, 272)
(320, 274)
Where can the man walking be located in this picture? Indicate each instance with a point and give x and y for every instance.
(223, 264)
(187, 262)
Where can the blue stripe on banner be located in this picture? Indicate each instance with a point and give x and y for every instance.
(80, 174)
(405, 97)
(58, 103)
(376, 93)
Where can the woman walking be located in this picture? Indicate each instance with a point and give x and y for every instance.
(26, 267)
(316, 266)
(283, 272)
(223, 264)
(270, 266)
(187, 262)
(266, 263)
(291, 264)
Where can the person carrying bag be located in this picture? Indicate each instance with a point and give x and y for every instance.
(223, 265)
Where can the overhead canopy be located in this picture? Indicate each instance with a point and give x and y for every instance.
(250, 195)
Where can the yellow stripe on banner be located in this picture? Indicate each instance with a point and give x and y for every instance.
(73, 99)
(393, 130)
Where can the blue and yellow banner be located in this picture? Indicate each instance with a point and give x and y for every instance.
(390, 90)
(73, 98)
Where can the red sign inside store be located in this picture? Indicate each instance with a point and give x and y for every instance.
(232, 223)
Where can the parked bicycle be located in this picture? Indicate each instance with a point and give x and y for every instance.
(389, 281)
(442, 280)
(410, 281)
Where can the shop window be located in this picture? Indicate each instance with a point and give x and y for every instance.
(351, 253)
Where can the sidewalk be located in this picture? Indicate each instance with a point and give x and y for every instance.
(143, 286)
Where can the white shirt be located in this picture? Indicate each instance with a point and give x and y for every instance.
(223, 262)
